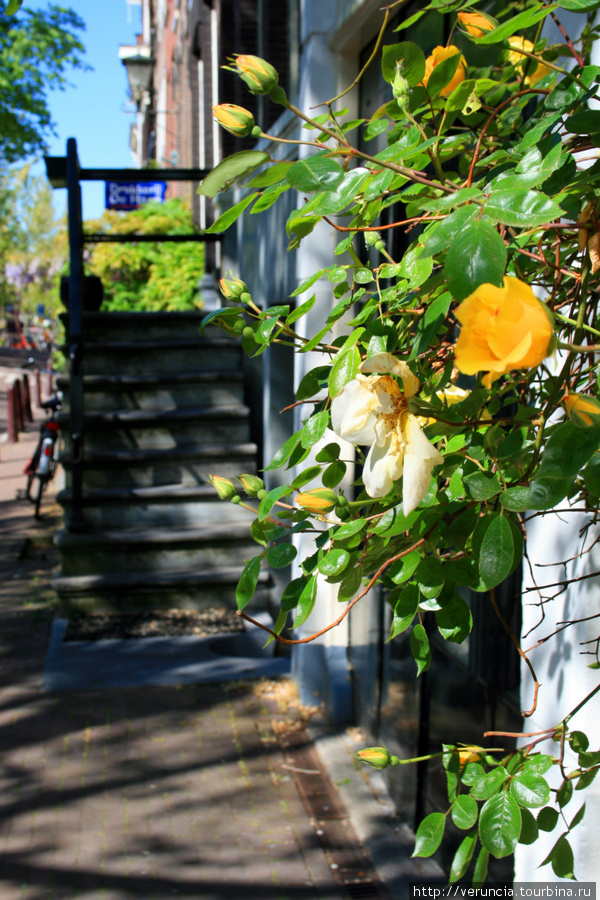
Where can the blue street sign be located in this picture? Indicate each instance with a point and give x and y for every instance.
(133, 194)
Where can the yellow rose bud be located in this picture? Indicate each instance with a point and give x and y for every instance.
(377, 757)
(503, 328)
(259, 75)
(476, 23)
(252, 484)
(519, 59)
(469, 754)
(438, 55)
(233, 288)
(224, 488)
(235, 119)
(319, 500)
(582, 410)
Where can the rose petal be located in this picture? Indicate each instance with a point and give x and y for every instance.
(420, 457)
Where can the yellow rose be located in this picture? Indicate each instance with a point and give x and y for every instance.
(438, 55)
(475, 23)
(518, 59)
(503, 328)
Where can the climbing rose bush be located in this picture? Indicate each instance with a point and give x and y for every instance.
(455, 391)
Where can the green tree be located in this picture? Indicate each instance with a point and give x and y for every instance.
(37, 47)
(148, 276)
(34, 247)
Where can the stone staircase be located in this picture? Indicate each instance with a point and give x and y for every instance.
(164, 408)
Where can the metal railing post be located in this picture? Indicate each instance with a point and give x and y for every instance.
(75, 341)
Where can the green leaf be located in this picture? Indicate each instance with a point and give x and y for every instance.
(442, 75)
(565, 792)
(333, 562)
(284, 452)
(567, 451)
(415, 268)
(562, 859)
(230, 170)
(500, 825)
(476, 256)
(463, 857)
(348, 529)
(317, 173)
(409, 58)
(521, 207)
(538, 764)
(405, 602)
(529, 828)
(580, 5)
(308, 283)
(314, 429)
(270, 176)
(247, 583)
(264, 532)
(301, 310)
(481, 868)
(464, 811)
(271, 499)
(577, 817)
(229, 217)
(316, 339)
(329, 453)
(530, 790)
(515, 499)
(268, 198)
(311, 384)
(440, 235)
(482, 485)
(547, 818)
(334, 473)
(306, 602)
(345, 368)
(429, 576)
(281, 555)
(497, 552)
(429, 834)
(421, 651)
(490, 784)
(13, 6)
(519, 22)
(454, 620)
(333, 202)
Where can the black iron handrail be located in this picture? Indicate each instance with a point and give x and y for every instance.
(65, 172)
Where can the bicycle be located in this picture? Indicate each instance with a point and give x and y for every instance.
(43, 463)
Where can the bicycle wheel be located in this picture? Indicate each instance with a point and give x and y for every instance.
(42, 483)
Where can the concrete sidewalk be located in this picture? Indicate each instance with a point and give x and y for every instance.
(207, 791)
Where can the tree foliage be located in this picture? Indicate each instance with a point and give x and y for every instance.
(37, 47)
(148, 276)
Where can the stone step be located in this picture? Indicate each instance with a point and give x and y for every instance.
(149, 325)
(139, 591)
(154, 549)
(146, 429)
(149, 356)
(165, 506)
(186, 466)
(158, 390)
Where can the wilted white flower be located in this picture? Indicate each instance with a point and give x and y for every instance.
(372, 410)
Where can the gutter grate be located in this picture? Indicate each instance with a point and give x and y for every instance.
(351, 867)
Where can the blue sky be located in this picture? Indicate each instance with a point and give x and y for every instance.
(92, 109)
